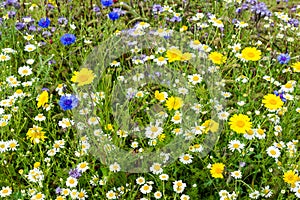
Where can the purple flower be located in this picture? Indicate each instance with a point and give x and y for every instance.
(44, 22)
(260, 9)
(283, 58)
(17, 5)
(10, 2)
(234, 21)
(20, 25)
(175, 19)
(58, 190)
(107, 3)
(119, 11)
(96, 9)
(45, 89)
(294, 22)
(68, 102)
(67, 39)
(32, 28)
(156, 8)
(294, 9)
(242, 164)
(51, 62)
(50, 6)
(62, 21)
(14, 3)
(252, 2)
(75, 173)
(28, 19)
(11, 14)
(238, 10)
(244, 6)
(46, 34)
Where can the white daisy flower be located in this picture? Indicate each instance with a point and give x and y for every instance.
(236, 145)
(164, 177)
(195, 78)
(156, 168)
(71, 182)
(4, 57)
(179, 186)
(30, 48)
(25, 71)
(111, 195)
(5, 191)
(146, 189)
(273, 152)
(115, 167)
(236, 174)
(186, 158)
(157, 195)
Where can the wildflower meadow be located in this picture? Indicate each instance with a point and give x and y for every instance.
(141, 100)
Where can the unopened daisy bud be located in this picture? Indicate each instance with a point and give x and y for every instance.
(37, 165)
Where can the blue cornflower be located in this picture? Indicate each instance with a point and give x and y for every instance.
(281, 95)
(68, 102)
(75, 173)
(44, 22)
(113, 15)
(107, 3)
(67, 39)
(283, 58)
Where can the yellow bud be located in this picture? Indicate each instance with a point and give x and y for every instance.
(37, 164)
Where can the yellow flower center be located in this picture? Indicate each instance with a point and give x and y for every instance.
(186, 157)
(260, 131)
(154, 129)
(156, 167)
(12, 145)
(161, 59)
(111, 195)
(250, 54)
(218, 170)
(288, 85)
(240, 123)
(83, 165)
(176, 117)
(179, 184)
(195, 78)
(81, 194)
(250, 132)
(196, 42)
(83, 78)
(273, 101)
(273, 152)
